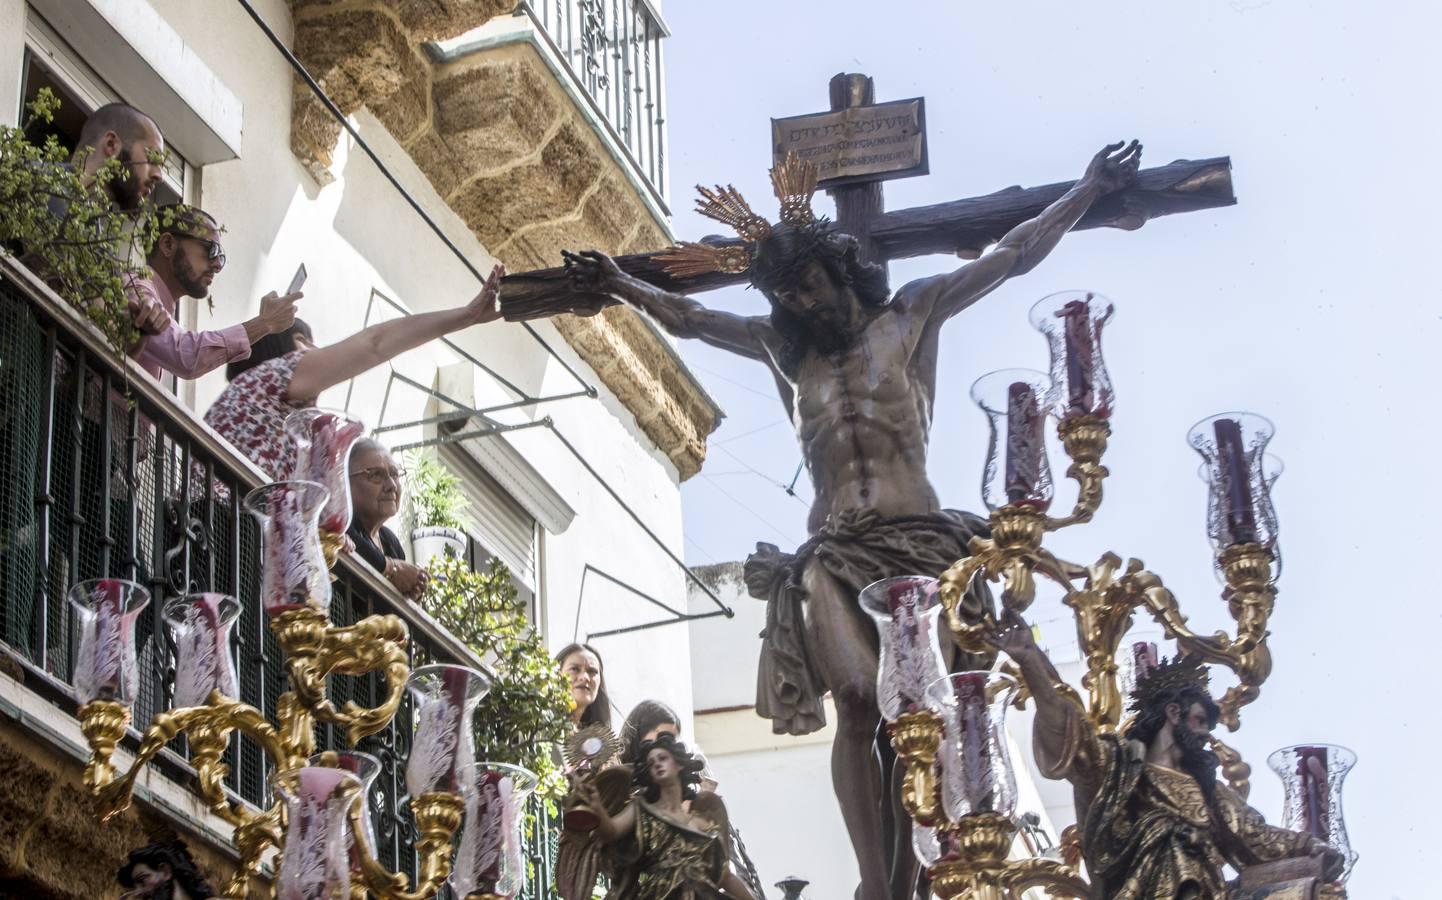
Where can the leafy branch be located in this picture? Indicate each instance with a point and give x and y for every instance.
(436, 497)
(527, 711)
(69, 231)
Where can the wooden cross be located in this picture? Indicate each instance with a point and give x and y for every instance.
(961, 227)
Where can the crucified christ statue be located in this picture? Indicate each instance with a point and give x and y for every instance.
(856, 370)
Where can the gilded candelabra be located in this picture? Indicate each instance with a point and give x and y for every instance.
(302, 523)
(966, 823)
(315, 649)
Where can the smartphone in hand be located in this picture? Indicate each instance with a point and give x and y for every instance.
(297, 281)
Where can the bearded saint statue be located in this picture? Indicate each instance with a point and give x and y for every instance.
(163, 871)
(1156, 823)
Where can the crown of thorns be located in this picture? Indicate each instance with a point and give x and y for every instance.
(1169, 675)
(794, 183)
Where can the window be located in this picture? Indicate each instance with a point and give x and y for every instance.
(497, 526)
(50, 63)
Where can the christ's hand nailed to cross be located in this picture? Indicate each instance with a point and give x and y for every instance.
(592, 271)
(1114, 167)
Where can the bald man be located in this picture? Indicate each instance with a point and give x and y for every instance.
(120, 131)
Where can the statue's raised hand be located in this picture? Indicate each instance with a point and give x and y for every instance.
(592, 272)
(1014, 637)
(1114, 167)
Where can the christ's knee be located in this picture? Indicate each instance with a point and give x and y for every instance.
(856, 705)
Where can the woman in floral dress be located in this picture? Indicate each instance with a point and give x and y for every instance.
(286, 372)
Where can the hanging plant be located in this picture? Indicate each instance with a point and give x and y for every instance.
(437, 503)
(71, 234)
(436, 497)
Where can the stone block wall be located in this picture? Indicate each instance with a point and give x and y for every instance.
(503, 144)
(51, 845)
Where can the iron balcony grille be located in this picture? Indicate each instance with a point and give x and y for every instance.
(98, 485)
(612, 49)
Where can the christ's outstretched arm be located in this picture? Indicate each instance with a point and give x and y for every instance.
(1112, 169)
(594, 272)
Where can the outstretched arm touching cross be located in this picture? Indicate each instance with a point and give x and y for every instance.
(379, 344)
(594, 272)
(1113, 168)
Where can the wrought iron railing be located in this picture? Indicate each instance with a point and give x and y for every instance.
(104, 474)
(613, 51)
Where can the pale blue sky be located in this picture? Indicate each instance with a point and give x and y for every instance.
(1314, 302)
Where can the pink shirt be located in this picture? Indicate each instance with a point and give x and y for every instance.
(187, 354)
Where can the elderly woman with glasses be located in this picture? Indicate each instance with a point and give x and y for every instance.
(375, 487)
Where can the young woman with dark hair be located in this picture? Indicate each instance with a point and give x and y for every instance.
(272, 346)
(650, 719)
(582, 666)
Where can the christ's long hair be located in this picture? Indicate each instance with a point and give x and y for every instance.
(777, 266)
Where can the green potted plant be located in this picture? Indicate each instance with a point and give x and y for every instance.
(526, 713)
(437, 503)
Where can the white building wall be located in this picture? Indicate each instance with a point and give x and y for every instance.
(357, 235)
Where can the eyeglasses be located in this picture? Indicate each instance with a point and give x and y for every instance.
(378, 474)
(213, 251)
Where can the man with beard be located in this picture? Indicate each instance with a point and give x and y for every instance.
(120, 131)
(185, 259)
(856, 370)
(162, 871)
(1155, 821)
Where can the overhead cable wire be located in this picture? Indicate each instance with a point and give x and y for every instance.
(734, 382)
(754, 514)
(746, 434)
(789, 490)
(299, 68)
(340, 117)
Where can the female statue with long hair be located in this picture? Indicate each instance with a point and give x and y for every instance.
(661, 849)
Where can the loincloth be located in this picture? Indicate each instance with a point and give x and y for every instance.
(856, 549)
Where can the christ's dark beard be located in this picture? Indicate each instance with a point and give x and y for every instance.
(1197, 760)
(822, 335)
(807, 332)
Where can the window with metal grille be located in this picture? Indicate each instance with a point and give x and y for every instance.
(497, 526)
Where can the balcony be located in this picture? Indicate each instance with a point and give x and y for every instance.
(612, 52)
(541, 126)
(97, 486)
